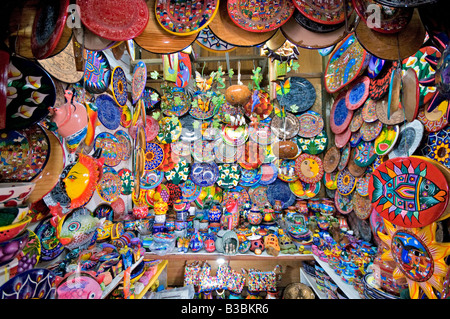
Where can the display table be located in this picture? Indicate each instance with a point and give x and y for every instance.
(161, 266)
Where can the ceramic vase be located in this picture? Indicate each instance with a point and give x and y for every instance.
(140, 212)
(160, 207)
(214, 214)
(254, 217)
(278, 206)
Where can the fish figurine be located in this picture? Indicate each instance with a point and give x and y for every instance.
(408, 188)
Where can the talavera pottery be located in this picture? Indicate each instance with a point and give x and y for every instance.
(37, 283)
(309, 168)
(9, 232)
(14, 194)
(13, 214)
(340, 115)
(409, 139)
(11, 248)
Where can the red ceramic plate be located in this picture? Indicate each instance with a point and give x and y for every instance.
(309, 168)
(408, 191)
(117, 20)
(322, 11)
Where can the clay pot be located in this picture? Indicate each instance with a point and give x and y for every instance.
(237, 94)
(285, 149)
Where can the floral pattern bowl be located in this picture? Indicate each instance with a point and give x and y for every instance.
(14, 194)
(11, 231)
(11, 248)
(13, 214)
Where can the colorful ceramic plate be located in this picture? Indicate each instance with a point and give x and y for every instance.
(108, 112)
(169, 130)
(151, 128)
(314, 145)
(51, 247)
(261, 134)
(354, 168)
(29, 94)
(309, 168)
(362, 186)
(369, 113)
(138, 82)
(324, 12)
(361, 206)
(124, 144)
(329, 180)
(225, 153)
(127, 181)
(210, 42)
(118, 21)
(410, 94)
(310, 124)
(379, 86)
(250, 177)
(437, 147)
(385, 142)
(204, 174)
(37, 283)
(229, 175)
(357, 93)
(340, 115)
(314, 26)
(355, 138)
(286, 171)
(176, 102)
(111, 148)
(235, 136)
(154, 156)
(269, 174)
(190, 190)
(408, 192)
(409, 139)
(331, 159)
(343, 203)
(179, 173)
(151, 179)
(203, 151)
(375, 66)
(119, 86)
(258, 196)
(341, 139)
(174, 192)
(181, 148)
(346, 63)
(296, 94)
(356, 121)
(345, 157)
(435, 120)
(364, 154)
(97, 72)
(108, 188)
(171, 15)
(271, 14)
(151, 99)
(253, 155)
(104, 211)
(280, 190)
(370, 131)
(286, 127)
(203, 108)
(345, 182)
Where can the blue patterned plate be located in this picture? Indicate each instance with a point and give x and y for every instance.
(204, 174)
(151, 179)
(37, 283)
(108, 112)
(154, 156)
(51, 247)
(97, 72)
(190, 191)
(280, 190)
(250, 177)
(119, 86)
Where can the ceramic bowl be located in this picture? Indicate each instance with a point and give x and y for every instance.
(11, 231)
(15, 194)
(11, 248)
(36, 283)
(13, 214)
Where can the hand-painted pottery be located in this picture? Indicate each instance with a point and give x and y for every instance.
(204, 174)
(314, 26)
(174, 192)
(158, 197)
(97, 72)
(190, 191)
(340, 115)
(271, 14)
(296, 94)
(175, 102)
(151, 179)
(210, 42)
(235, 136)
(285, 127)
(379, 86)
(261, 134)
(324, 12)
(169, 130)
(109, 113)
(408, 192)
(346, 63)
(151, 128)
(286, 171)
(108, 187)
(204, 107)
(250, 177)
(437, 146)
(361, 206)
(124, 144)
(110, 25)
(258, 196)
(369, 113)
(309, 168)
(172, 16)
(345, 182)
(280, 190)
(311, 124)
(259, 105)
(341, 139)
(354, 168)
(288, 149)
(253, 155)
(385, 142)
(375, 66)
(110, 148)
(331, 159)
(343, 203)
(11, 248)
(154, 156)
(119, 86)
(179, 173)
(355, 138)
(357, 93)
(151, 99)
(23, 153)
(435, 120)
(138, 81)
(104, 211)
(356, 121)
(170, 159)
(362, 185)
(225, 153)
(203, 151)
(69, 287)
(269, 173)
(370, 131)
(30, 92)
(51, 247)
(37, 283)
(409, 139)
(345, 156)
(364, 154)
(410, 94)
(229, 175)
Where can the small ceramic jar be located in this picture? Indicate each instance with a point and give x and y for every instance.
(170, 224)
(160, 219)
(140, 212)
(160, 207)
(214, 214)
(254, 217)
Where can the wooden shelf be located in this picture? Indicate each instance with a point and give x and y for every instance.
(310, 281)
(161, 266)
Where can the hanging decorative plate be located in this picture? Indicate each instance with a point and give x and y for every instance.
(204, 174)
(324, 12)
(369, 113)
(331, 159)
(203, 151)
(408, 192)
(127, 181)
(361, 206)
(410, 94)
(340, 140)
(364, 154)
(235, 136)
(126, 117)
(386, 140)
(174, 192)
(190, 190)
(259, 105)
(285, 128)
(437, 147)
(175, 102)
(340, 115)
(154, 195)
(357, 93)
(23, 153)
(435, 120)
(314, 26)
(108, 188)
(355, 138)
(203, 106)
(151, 128)
(119, 86)
(51, 247)
(172, 15)
(151, 179)
(296, 94)
(343, 203)
(371, 131)
(210, 42)
(110, 146)
(397, 113)
(271, 14)
(269, 174)
(362, 186)
(346, 63)
(108, 111)
(345, 156)
(226, 153)
(253, 155)
(280, 190)
(310, 124)
(329, 179)
(124, 144)
(97, 72)
(250, 177)
(238, 193)
(154, 156)
(151, 99)
(36, 283)
(30, 92)
(261, 134)
(258, 196)
(138, 82)
(170, 158)
(354, 168)
(123, 19)
(409, 139)
(345, 182)
(229, 175)
(356, 121)
(286, 171)
(169, 130)
(179, 173)
(379, 86)
(309, 168)
(375, 66)
(314, 145)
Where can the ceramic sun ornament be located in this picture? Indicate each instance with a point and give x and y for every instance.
(418, 257)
